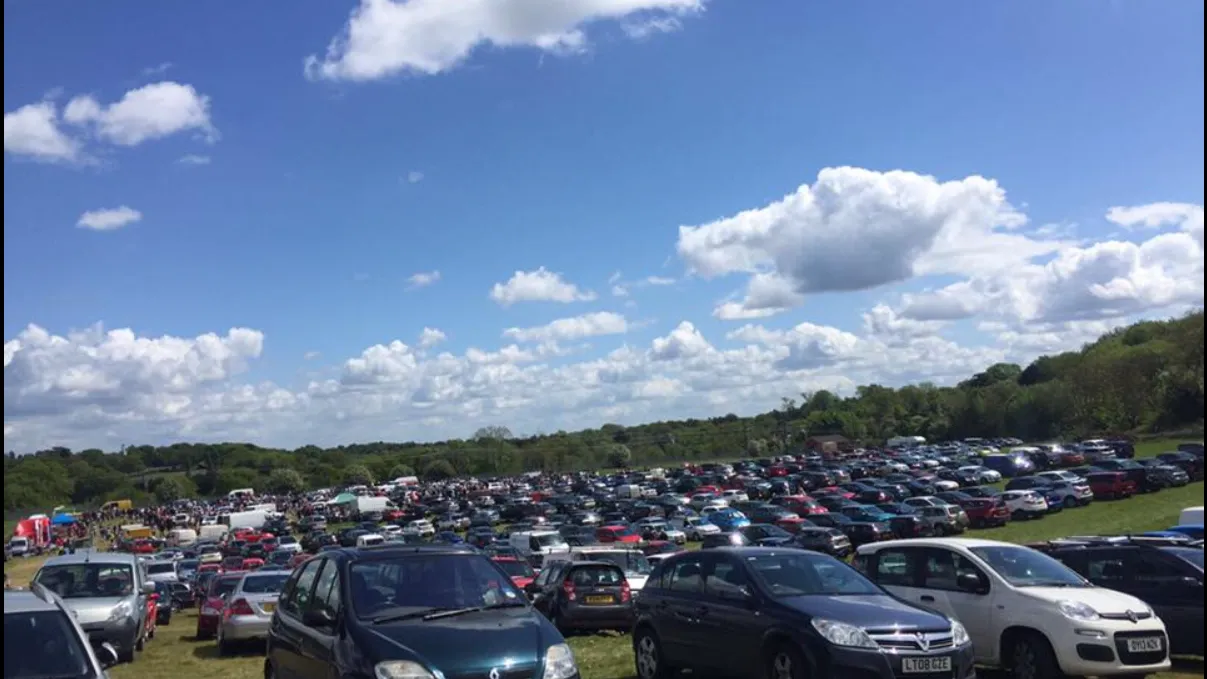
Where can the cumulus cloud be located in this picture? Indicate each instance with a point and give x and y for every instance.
(149, 112)
(540, 285)
(109, 219)
(414, 177)
(578, 327)
(857, 229)
(423, 279)
(425, 37)
(430, 337)
(33, 131)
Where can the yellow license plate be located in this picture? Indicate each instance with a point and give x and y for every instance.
(599, 599)
(269, 608)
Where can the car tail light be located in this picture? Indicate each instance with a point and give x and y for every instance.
(239, 607)
(568, 589)
(626, 592)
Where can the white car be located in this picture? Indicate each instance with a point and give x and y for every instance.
(925, 501)
(732, 496)
(1061, 475)
(1071, 494)
(1026, 612)
(1025, 504)
(696, 528)
(422, 528)
(983, 475)
(700, 500)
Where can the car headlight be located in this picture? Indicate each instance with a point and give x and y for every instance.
(559, 662)
(402, 669)
(959, 635)
(842, 634)
(1075, 610)
(122, 610)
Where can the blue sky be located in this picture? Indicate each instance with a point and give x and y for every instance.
(325, 188)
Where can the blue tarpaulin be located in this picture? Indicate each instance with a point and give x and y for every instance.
(63, 519)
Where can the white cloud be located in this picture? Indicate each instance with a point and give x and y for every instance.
(194, 159)
(640, 30)
(425, 37)
(540, 285)
(147, 113)
(158, 69)
(856, 229)
(33, 131)
(109, 219)
(430, 337)
(578, 327)
(311, 355)
(423, 279)
(414, 177)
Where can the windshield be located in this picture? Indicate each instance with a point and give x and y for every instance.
(1193, 556)
(84, 580)
(160, 568)
(43, 644)
(633, 563)
(516, 569)
(551, 540)
(1023, 567)
(428, 581)
(804, 574)
(264, 584)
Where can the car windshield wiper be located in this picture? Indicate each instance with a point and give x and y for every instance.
(437, 615)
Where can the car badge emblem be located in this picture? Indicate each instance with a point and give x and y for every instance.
(494, 673)
(923, 642)
(1131, 615)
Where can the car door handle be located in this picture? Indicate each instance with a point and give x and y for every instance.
(928, 598)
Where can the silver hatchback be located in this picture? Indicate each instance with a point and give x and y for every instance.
(43, 639)
(247, 611)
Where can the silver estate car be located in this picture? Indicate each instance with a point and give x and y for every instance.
(43, 639)
(107, 592)
(247, 611)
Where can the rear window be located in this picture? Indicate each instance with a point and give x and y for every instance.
(159, 568)
(596, 576)
(264, 584)
(223, 586)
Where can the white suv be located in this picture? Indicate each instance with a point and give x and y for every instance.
(1025, 611)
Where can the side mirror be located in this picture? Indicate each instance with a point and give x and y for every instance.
(106, 655)
(148, 588)
(970, 582)
(319, 617)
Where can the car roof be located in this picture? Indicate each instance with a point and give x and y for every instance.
(27, 601)
(966, 543)
(92, 557)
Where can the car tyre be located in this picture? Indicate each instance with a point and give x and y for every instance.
(647, 656)
(786, 662)
(1031, 657)
(1070, 501)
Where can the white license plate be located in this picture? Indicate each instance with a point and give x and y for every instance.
(934, 665)
(1145, 645)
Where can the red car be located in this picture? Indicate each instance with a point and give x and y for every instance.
(802, 505)
(212, 602)
(1111, 485)
(613, 534)
(517, 569)
(143, 546)
(984, 512)
(252, 563)
(232, 563)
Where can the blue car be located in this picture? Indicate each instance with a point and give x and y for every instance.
(728, 520)
(867, 514)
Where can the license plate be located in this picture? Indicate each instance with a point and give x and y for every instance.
(599, 599)
(1145, 645)
(268, 608)
(935, 665)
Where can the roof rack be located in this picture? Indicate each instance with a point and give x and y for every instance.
(1107, 540)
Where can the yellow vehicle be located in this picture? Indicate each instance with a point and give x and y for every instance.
(120, 505)
(135, 531)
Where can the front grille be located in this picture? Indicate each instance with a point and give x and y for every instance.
(1132, 615)
(916, 643)
(1128, 658)
(525, 672)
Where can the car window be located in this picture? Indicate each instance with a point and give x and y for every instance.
(267, 583)
(943, 569)
(596, 576)
(299, 592)
(1106, 568)
(1153, 571)
(725, 579)
(326, 591)
(43, 644)
(893, 568)
(88, 580)
(686, 576)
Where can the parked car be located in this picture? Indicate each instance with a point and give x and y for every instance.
(213, 602)
(986, 512)
(410, 611)
(785, 613)
(1025, 611)
(44, 638)
(247, 610)
(1110, 485)
(591, 595)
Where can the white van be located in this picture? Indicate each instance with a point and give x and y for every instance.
(535, 545)
(1191, 516)
(19, 546)
(182, 537)
(1018, 603)
(213, 531)
(369, 540)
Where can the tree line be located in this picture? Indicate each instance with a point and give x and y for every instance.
(1144, 378)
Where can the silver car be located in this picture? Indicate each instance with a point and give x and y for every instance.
(43, 639)
(107, 592)
(247, 611)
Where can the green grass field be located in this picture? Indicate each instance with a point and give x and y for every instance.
(173, 654)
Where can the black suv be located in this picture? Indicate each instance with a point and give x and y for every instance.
(410, 611)
(1167, 577)
(786, 613)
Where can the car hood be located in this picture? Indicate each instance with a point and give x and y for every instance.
(875, 611)
(1105, 601)
(467, 644)
(93, 610)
